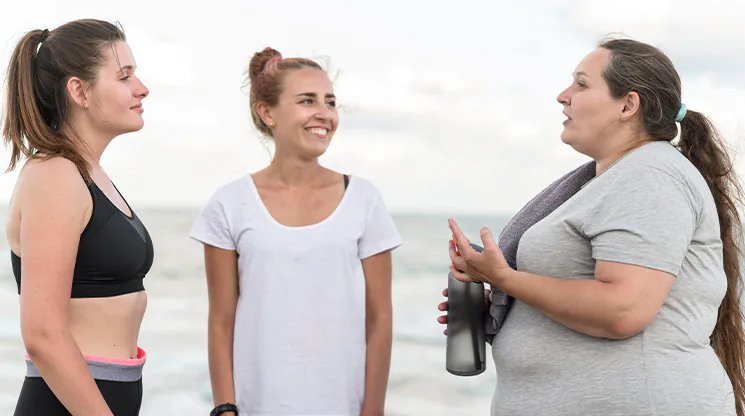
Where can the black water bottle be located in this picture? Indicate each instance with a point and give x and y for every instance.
(466, 340)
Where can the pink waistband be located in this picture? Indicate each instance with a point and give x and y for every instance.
(141, 356)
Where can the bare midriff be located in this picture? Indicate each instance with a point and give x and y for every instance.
(108, 327)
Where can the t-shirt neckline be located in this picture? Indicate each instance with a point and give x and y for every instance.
(334, 213)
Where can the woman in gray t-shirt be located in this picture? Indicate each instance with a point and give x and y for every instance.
(627, 296)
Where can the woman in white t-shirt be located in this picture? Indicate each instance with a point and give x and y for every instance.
(298, 262)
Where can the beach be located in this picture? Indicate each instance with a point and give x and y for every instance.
(174, 330)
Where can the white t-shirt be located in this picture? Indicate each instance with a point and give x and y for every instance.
(300, 341)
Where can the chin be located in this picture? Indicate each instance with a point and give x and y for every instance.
(567, 138)
(127, 129)
(316, 152)
(136, 126)
(579, 146)
(316, 148)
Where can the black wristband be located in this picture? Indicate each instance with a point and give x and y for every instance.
(226, 407)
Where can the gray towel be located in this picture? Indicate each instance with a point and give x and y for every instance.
(537, 209)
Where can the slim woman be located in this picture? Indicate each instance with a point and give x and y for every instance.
(78, 250)
(298, 262)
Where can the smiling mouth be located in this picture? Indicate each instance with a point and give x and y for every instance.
(318, 132)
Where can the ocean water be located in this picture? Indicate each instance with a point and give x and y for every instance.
(174, 330)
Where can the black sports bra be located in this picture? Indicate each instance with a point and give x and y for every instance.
(114, 255)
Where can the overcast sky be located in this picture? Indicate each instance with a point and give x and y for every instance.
(447, 109)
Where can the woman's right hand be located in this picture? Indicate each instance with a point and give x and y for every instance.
(443, 306)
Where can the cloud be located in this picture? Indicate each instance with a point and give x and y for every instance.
(699, 38)
(446, 107)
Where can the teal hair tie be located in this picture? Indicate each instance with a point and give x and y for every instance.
(681, 113)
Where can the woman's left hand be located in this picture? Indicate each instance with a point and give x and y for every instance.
(468, 265)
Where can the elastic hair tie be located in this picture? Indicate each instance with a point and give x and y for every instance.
(41, 39)
(681, 113)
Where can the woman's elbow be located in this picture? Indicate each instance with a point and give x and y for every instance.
(40, 337)
(221, 321)
(380, 317)
(627, 325)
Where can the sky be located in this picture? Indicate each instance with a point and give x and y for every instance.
(447, 107)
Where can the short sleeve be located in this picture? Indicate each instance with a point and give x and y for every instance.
(380, 232)
(212, 226)
(646, 219)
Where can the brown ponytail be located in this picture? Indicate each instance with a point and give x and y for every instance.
(702, 145)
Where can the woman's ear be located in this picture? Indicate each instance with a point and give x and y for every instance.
(76, 90)
(265, 112)
(631, 106)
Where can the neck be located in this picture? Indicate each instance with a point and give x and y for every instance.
(294, 172)
(623, 145)
(603, 163)
(95, 142)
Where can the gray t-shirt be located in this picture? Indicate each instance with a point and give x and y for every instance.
(651, 208)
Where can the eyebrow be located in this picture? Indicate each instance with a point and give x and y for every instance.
(313, 95)
(126, 68)
(581, 73)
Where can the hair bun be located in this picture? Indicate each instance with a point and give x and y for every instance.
(259, 61)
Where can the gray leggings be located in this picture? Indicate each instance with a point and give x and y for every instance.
(120, 385)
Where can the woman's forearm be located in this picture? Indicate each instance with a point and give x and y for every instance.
(220, 351)
(222, 287)
(379, 329)
(589, 306)
(60, 363)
